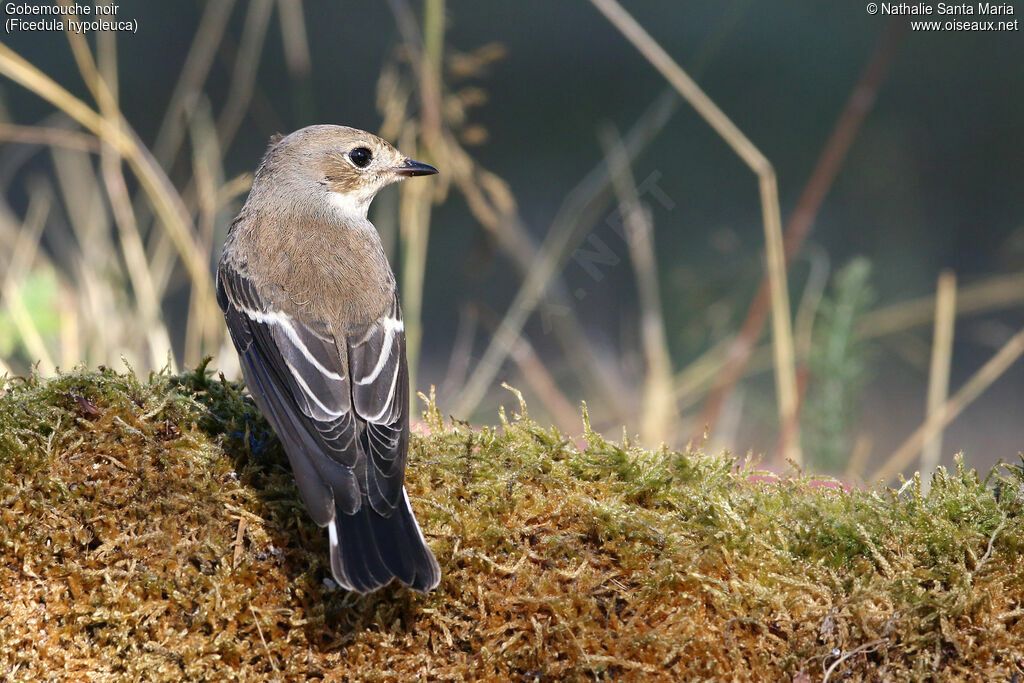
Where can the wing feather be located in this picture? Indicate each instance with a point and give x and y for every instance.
(298, 377)
(380, 396)
(360, 425)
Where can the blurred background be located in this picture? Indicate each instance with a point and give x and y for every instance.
(591, 236)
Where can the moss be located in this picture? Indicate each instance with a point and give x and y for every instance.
(150, 530)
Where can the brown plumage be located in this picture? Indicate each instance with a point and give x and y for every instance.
(310, 302)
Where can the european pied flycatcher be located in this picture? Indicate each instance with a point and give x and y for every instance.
(312, 309)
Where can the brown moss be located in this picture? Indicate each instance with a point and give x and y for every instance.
(151, 531)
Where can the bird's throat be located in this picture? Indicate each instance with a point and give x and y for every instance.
(350, 206)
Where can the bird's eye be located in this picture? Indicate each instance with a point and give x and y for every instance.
(361, 157)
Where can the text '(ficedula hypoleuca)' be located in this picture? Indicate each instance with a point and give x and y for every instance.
(311, 305)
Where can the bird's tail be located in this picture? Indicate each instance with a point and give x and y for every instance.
(368, 550)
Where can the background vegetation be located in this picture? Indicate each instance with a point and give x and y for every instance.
(590, 236)
(836, 284)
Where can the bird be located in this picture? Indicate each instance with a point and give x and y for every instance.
(312, 308)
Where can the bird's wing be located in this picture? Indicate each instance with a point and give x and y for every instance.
(340, 407)
(380, 399)
(299, 376)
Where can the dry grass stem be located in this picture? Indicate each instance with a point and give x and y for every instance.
(580, 210)
(100, 89)
(697, 377)
(856, 466)
(188, 89)
(86, 211)
(71, 351)
(208, 176)
(862, 649)
(154, 182)
(243, 78)
(22, 258)
(293, 36)
(814, 290)
(492, 204)
(259, 630)
(859, 103)
(782, 333)
(104, 86)
(462, 350)
(430, 70)
(994, 293)
(545, 388)
(527, 298)
(991, 294)
(425, 141)
(414, 220)
(657, 409)
(54, 137)
(233, 189)
(941, 361)
(134, 254)
(937, 421)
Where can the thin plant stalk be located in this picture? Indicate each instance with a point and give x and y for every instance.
(537, 375)
(293, 37)
(462, 349)
(994, 293)
(952, 407)
(814, 291)
(188, 89)
(21, 261)
(53, 137)
(430, 76)
(70, 331)
(208, 175)
(492, 204)
(416, 198)
(134, 254)
(132, 248)
(942, 359)
(859, 457)
(239, 97)
(154, 182)
(414, 219)
(1000, 291)
(859, 103)
(85, 208)
(782, 333)
(582, 206)
(187, 92)
(243, 79)
(658, 404)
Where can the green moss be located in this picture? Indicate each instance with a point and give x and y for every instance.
(150, 529)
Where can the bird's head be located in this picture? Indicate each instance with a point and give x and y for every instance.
(351, 164)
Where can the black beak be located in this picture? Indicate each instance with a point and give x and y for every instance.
(414, 168)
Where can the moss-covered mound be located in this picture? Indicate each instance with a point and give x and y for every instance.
(149, 530)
